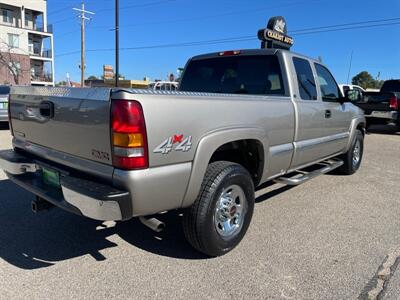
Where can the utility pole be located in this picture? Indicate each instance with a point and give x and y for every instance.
(116, 43)
(83, 18)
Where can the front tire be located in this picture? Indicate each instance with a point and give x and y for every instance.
(352, 158)
(221, 214)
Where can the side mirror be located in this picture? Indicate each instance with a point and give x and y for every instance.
(352, 96)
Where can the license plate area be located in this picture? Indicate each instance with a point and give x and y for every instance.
(51, 177)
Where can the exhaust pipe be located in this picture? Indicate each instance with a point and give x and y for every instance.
(153, 223)
(40, 204)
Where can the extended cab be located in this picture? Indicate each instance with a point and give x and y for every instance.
(240, 119)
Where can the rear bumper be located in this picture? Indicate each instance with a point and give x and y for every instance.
(383, 115)
(77, 195)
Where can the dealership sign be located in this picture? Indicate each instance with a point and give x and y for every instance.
(275, 35)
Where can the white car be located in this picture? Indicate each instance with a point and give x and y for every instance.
(347, 87)
(163, 86)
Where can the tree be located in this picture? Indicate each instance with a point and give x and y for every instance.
(92, 77)
(365, 80)
(11, 61)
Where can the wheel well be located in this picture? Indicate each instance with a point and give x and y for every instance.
(361, 127)
(248, 153)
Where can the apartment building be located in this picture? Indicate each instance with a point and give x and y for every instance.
(26, 43)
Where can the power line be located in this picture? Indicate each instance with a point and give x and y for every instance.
(347, 28)
(348, 24)
(241, 12)
(237, 12)
(235, 39)
(136, 5)
(124, 7)
(53, 12)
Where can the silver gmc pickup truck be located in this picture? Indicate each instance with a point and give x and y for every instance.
(240, 119)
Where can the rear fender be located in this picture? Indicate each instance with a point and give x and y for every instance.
(206, 148)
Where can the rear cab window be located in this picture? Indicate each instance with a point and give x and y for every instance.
(391, 86)
(305, 79)
(241, 74)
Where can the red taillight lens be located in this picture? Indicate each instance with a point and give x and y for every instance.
(9, 116)
(229, 53)
(394, 103)
(129, 138)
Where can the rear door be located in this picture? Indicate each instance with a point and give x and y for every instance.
(311, 130)
(337, 115)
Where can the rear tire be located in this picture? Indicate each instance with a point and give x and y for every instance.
(352, 158)
(221, 214)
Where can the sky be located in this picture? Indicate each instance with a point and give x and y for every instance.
(148, 23)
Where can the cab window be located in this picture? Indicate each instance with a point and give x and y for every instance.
(327, 84)
(241, 74)
(305, 79)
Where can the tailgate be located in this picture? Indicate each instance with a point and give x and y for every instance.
(375, 102)
(69, 120)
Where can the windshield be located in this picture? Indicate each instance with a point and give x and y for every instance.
(257, 75)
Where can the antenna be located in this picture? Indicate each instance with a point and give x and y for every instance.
(84, 18)
(351, 61)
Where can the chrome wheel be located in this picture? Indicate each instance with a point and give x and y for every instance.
(356, 154)
(230, 211)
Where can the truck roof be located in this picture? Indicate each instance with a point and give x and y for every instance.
(251, 52)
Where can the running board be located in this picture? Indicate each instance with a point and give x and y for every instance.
(303, 176)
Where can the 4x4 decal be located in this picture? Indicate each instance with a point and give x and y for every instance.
(182, 144)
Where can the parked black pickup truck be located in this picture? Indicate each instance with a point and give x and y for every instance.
(382, 107)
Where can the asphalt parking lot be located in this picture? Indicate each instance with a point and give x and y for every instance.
(331, 238)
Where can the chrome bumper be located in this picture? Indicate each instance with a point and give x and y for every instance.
(76, 194)
(387, 115)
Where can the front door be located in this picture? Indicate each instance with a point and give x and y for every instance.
(311, 130)
(337, 115)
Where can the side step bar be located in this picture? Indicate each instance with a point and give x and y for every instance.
(303, 176)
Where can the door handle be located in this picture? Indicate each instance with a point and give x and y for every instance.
(46, 109)
(328, 114)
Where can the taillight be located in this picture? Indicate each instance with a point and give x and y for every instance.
(9, 116)
(129, 139)
(229, 53)
(394, 103)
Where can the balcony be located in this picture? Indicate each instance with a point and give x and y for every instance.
(41, 77)
(40, 28)
(36, 51)
(11, 16)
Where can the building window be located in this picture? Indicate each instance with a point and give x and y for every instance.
(13, 40)
(7, 16)
(28, 20)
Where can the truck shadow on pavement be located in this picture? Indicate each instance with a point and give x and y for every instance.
(384, 129)
(4, 126)
(32, 241)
